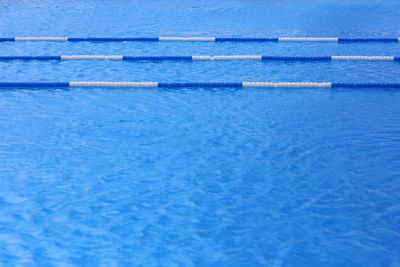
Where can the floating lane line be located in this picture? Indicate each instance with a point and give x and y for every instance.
(307, 39)
(389, 58)
(206, 39)
(195, 39)
(39, 38)
(288, 84)
(87, 57)
(113, 84)
(233, 57)
(197, 84)
(203, 58)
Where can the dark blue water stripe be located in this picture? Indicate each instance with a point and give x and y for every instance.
(112, 39)
(367, 39)
(137, 58)
(2, 58)
(396, 58)
(365, 85)
(46, 57)
(295, 58)
(15, 58)
(7, 39)
(34, 84)
(200, 84)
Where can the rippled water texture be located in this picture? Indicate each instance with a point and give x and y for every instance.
(206, 177)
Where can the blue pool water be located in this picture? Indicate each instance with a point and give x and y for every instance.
(205, 177)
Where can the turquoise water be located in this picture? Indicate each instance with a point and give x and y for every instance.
(205, 177)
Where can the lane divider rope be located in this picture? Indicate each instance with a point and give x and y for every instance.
(206, 39)
(220, 57)
(198, 84)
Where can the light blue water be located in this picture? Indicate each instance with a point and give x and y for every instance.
(206, 177)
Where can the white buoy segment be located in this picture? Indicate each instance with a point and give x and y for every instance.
(208, 39)
(113, 84)
(362, 58)
(286, 84)
(307, 39)
(233, 57)
(91, 57)
(41, 38)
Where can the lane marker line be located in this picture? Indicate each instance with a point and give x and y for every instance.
(206, 39)
(201, 57)
(198, 84)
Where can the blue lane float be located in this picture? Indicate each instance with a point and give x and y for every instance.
(197, 84)
(206, 39)
(201, 58)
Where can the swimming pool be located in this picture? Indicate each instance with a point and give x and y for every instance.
(199, 176)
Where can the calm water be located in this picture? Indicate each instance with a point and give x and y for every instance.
(206, 177)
